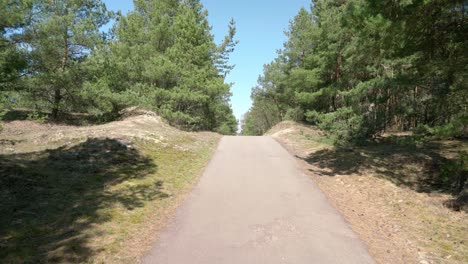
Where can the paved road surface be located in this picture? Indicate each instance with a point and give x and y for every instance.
(253, 205)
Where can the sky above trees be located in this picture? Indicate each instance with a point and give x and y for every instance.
(260, 25)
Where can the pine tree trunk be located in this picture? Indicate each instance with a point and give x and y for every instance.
(57, 92)
(56, 107)
(339, 61)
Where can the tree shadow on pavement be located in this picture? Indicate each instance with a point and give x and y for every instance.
(51, 199)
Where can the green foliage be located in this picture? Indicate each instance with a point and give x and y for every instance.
(12, 60)
(248, 126)
(294, 114)
(2, 113)
(57, 38)
(225, 129)
(455, 172)
(263, 115)
(161, 56)
(164, 58)
(37, 117)
(457, 127)
(343, 126)
(358, 68)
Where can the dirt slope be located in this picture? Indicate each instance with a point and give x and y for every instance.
(27, 136)
(387, 193)
(95, 194)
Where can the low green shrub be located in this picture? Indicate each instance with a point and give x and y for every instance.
(455, 172)
(37, 117)
(343, 126)
(294, 114)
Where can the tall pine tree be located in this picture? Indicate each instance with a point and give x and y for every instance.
(60, 35)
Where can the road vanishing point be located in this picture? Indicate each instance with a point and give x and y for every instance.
(253, 204)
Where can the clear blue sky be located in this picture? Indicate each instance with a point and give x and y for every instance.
(260, 27)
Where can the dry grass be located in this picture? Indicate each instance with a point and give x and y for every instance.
(389, 193)
(95, 194)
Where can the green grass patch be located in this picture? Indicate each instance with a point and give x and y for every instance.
(320, 139)
(74, 203)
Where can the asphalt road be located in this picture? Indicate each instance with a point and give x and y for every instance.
(254, 205)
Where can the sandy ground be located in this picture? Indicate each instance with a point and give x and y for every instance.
(28, 136)
(111, 206)
(397, 223)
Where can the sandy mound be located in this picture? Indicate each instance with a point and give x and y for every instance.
(291, 127)
(27, 136)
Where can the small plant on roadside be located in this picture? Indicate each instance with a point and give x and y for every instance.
(454, 172)
(454, 129)
(343, 127)
(294, 114)
(3, 111)
(408, 141)
(37, 117)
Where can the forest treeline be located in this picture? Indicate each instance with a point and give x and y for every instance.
(357, 68)
(55, 58)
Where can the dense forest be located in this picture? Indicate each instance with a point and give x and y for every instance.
(357, 68)
(56, 59)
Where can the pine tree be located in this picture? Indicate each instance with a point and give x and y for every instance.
(358, 68)
(164, 58)
(59, 37)
(12, 60)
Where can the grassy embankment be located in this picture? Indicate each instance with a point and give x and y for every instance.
(394, 192)
(94, 194)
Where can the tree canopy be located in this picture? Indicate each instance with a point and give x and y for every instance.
(160, 56)
(358, 68)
